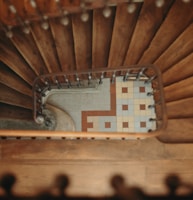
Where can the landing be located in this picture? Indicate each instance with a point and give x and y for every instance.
(122, 106)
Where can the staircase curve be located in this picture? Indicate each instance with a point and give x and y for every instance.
(149, 35)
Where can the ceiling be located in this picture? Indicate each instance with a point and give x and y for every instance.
(150, 35)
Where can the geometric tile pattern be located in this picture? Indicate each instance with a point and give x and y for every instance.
(129, 111)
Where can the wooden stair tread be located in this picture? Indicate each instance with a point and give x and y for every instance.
(178, 131)
(122, 33)
(10, 79)
(12, 97)
(15, 112)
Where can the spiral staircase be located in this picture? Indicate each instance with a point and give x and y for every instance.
(161, 36)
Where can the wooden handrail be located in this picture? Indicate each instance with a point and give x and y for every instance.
(75, 135)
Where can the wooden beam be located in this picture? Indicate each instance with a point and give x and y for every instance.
(178, 72)
(16, 63)
(82, 33)
(177, 51)
(180, 109)
(26, 45)
(12, 97)
(14, 112)
(178, 131)
(174, 24)
(101, 37)
(147, 25)
(10, 79)
(46, 46)
(64, 44)
(122, 32)
(180, 90)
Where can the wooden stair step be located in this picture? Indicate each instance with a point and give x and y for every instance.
(12, 97)
(15, 112)
(178, 131)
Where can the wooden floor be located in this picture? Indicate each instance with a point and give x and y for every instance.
(90, 164)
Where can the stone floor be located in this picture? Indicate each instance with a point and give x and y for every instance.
(121, 106)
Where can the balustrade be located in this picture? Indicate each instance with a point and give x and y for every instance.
(77, 81)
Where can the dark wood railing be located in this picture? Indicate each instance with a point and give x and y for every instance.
(121, 191)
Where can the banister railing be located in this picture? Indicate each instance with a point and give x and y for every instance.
(44, 85)
(121, 190)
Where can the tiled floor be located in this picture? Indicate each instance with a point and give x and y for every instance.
(118, 107)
